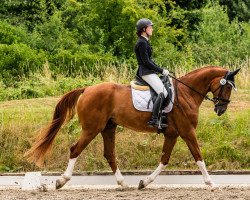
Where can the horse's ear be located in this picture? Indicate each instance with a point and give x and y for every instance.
(231, 75)
(234, 72)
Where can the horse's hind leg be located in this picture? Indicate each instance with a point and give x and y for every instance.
(108, 135)
(75, 150)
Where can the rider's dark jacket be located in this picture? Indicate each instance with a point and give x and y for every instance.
(143, 52)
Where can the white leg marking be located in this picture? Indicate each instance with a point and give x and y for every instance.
(206, 177)
(152, 176)
(70, 168)
(67, 174)
(120, 178)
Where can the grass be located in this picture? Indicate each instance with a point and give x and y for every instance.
(225, 140)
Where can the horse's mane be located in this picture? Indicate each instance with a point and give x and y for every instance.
(202, 69)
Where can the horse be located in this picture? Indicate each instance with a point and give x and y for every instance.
(100, 108)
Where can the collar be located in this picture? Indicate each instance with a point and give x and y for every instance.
(145, 37)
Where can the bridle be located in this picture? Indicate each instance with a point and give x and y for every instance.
(218, 100)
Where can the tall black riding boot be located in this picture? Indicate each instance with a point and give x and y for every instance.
(156, 109)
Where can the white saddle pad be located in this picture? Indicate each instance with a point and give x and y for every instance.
(141, 98)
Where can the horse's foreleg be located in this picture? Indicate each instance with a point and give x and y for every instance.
(151, 177)
(193, 146)
(168, 146)
(75, 151)
(108, 135)
(206, 177)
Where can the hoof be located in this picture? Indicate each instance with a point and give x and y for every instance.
(122, 184)
(43, 188)
(141, 185)
(211, 184)
(61, 182)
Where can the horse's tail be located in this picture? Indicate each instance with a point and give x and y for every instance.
(65, 109)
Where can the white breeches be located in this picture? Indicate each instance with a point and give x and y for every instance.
(155, 82)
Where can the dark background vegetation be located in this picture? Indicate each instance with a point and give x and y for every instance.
(72, 36)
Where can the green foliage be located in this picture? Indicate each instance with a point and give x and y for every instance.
(42, 85)
(81, 61)
(185, 15)
(11, 34)
(52, 36)
(29, 13)
(109, 25)
(226, 134)
(239, 9)
(217, 40)
(77, 36)
(18, 60)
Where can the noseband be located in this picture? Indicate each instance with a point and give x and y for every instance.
(219, 101)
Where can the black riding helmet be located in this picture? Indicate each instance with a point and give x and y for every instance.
(143, 23)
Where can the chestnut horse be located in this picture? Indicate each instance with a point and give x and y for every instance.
(102, 107)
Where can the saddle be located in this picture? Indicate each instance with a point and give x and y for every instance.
(143, 87)
(140, 84)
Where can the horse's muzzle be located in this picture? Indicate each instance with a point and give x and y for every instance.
(220, 110)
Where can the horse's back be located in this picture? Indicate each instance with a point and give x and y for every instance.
(105, 90)
(98, 101)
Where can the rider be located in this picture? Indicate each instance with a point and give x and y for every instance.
(148, 70)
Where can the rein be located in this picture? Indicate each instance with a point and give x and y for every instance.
(205, 96)
(214, 100)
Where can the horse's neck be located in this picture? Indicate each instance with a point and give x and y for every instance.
(200, 81)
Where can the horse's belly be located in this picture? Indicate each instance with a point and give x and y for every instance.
(126, 115)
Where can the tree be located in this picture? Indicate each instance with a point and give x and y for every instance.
(237, 9)
(29, 13)
(218, 40)
(109, 26)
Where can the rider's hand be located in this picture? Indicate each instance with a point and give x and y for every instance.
(165, 72)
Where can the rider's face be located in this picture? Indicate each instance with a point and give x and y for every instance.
(149, 30)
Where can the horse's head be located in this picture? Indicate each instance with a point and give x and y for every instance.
(221, 89)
